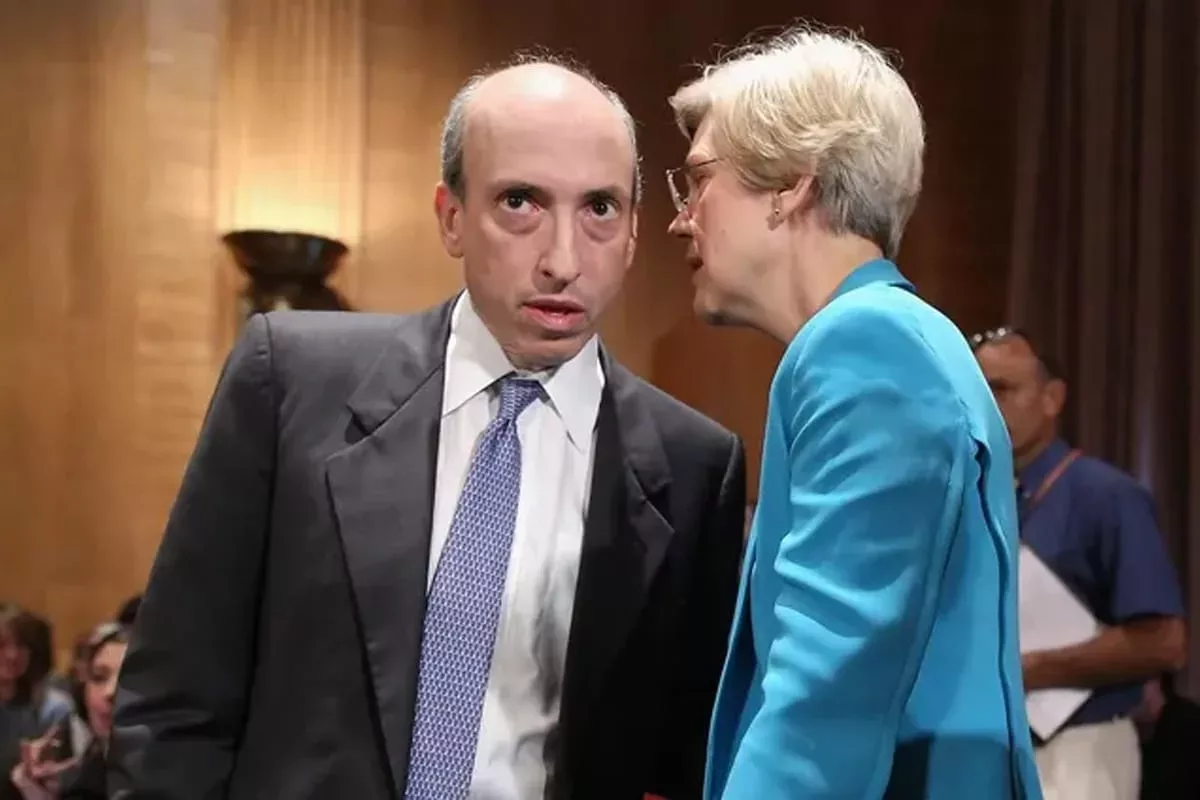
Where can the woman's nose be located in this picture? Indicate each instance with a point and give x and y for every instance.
(681, 226)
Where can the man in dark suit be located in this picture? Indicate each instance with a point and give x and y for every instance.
(456, 553)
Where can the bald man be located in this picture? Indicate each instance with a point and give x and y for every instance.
(458, 553)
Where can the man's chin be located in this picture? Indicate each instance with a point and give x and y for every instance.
(543, 353)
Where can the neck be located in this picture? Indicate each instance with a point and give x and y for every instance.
(1031, 454)
(818, 264)
(8, 690)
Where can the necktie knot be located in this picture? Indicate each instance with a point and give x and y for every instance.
(515, 396)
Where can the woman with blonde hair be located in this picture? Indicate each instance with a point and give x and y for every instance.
(874, 650)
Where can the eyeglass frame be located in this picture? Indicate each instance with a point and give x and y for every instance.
(682, 204)
(1048, 364)
(994, 335)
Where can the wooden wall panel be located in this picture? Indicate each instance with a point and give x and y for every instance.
(290, 144)
(109, 343)
(419, 52)
(44, 155)
(136, 132)
(177, 333)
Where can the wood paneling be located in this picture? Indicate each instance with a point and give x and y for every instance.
(291, 112)
(109, 344)
(137, 131)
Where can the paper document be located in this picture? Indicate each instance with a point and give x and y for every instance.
(1050, 617)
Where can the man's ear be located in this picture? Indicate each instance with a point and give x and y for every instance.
(798, 198)
(1054, 397)
(631, 246)
(448, 209)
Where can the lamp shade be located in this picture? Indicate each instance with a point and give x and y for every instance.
(287, 269)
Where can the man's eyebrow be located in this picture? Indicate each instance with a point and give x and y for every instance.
(516, 185)
(612, 191)
(698, 160)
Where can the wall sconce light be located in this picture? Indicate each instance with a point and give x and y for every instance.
(287, 270)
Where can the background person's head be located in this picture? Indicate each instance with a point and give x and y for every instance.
(805, 161)
(107, 644)
(1028, 388)
(37, 637)
(538, 199)
(15, 686)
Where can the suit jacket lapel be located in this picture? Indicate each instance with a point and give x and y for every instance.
(382, 488)
(624, 542)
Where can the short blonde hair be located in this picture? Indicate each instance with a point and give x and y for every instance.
(810, 102)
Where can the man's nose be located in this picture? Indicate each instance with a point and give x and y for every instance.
(560, 262)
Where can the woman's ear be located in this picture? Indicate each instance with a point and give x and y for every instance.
(796, 199)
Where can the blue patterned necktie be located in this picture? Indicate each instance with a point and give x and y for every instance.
(463, 608)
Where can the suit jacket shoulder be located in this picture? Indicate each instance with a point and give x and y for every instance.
(308, 346)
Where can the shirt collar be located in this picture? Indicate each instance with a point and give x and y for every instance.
(475, 361)
(1037, 470)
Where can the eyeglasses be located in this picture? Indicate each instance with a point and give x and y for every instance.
(978, 340)
(681, 195)
(1049, 364)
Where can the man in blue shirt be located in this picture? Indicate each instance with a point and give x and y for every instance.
(1095, 528)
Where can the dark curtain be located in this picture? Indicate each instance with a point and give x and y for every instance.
(1106, 251)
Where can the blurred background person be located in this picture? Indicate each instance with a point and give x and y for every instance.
(29, 709)
(41, 774)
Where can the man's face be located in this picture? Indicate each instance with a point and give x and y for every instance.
(547, 227)
(726, 228)
(1029, 401)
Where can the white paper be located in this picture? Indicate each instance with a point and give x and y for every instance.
(1051, 617)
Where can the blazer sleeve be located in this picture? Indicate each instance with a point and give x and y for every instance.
(876, 441)
(709, 616)
(181, 698)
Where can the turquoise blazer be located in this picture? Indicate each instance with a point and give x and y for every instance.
(874, 649)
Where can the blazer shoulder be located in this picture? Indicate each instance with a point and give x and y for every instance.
(894, 316)
(885, 338)
(319, 332)
(317, 345)
(882, 327)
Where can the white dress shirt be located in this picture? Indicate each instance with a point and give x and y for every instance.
(521, 706)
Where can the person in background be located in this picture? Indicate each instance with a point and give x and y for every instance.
(27, 710)
(875, 644)
(461, 552)
(1094, 526)
(38, 635)
(39, 775)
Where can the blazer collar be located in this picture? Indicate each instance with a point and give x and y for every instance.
(879, 270)
(382, 486)
(419, 351)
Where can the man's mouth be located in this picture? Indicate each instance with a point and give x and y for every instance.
(555, 314)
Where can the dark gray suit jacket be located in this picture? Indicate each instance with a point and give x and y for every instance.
(276, 650)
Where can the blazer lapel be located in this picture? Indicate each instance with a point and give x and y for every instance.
(625, 539)
(382, 488)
